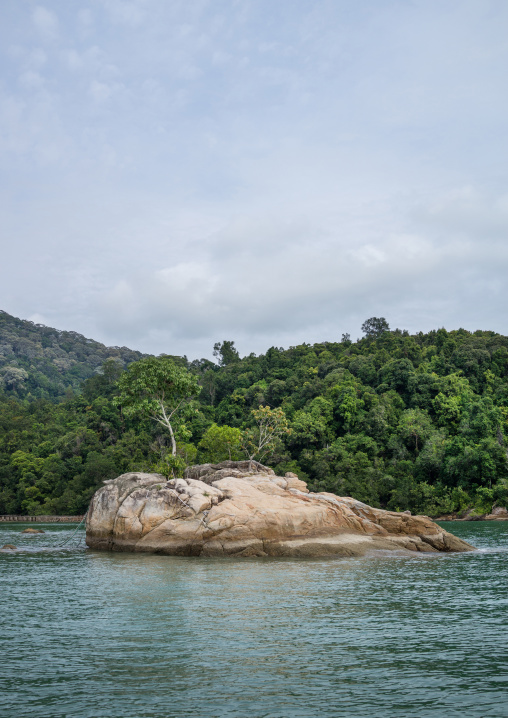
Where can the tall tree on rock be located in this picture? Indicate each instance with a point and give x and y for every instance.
(156, 388)
(270, 425)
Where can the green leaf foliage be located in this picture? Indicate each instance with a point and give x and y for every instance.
(220, 443)
(156, 388)
(401, 421)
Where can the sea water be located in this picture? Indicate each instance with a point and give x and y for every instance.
(86, 634)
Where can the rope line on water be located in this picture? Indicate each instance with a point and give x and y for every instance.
(59, 545)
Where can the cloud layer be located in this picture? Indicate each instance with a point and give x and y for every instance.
(178, 173)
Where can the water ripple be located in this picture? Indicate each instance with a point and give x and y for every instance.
(98, 635)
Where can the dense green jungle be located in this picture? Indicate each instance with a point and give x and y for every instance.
(399, 421)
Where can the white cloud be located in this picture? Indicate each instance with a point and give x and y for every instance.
(73, 59)
(270, 172)
(32, 80)
(257, 282)
(85, 17)
(368, 255)
(127, 12)
(100, 91)
(37, 58)
(46, 22)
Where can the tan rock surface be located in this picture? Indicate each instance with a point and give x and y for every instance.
(243, 509)
(499, 513)
(33, 531)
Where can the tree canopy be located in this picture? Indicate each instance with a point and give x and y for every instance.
(157, 388)
(375, 326)
(269, 426)
(225, 352)
(401, 421)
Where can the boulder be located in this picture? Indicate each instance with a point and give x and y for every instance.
(498, 513)
(9, 546)
(244, 509)
(33, 531)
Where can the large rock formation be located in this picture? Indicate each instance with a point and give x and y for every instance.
(498, 513)
(243, 509)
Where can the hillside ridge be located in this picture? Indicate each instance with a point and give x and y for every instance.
(38, 362)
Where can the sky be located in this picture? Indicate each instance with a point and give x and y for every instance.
(176, 173)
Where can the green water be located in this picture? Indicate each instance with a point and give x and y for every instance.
(89, 634)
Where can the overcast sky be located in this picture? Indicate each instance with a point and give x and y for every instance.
(268, 171)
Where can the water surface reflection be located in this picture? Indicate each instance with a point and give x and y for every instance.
(96, 634)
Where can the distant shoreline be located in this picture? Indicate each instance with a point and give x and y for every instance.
(40, 519)
(470, 519)
(18, 518)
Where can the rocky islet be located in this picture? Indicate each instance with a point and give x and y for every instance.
(244, 509)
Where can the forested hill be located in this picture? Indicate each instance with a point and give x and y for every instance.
(401, 421)
(40, 362)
